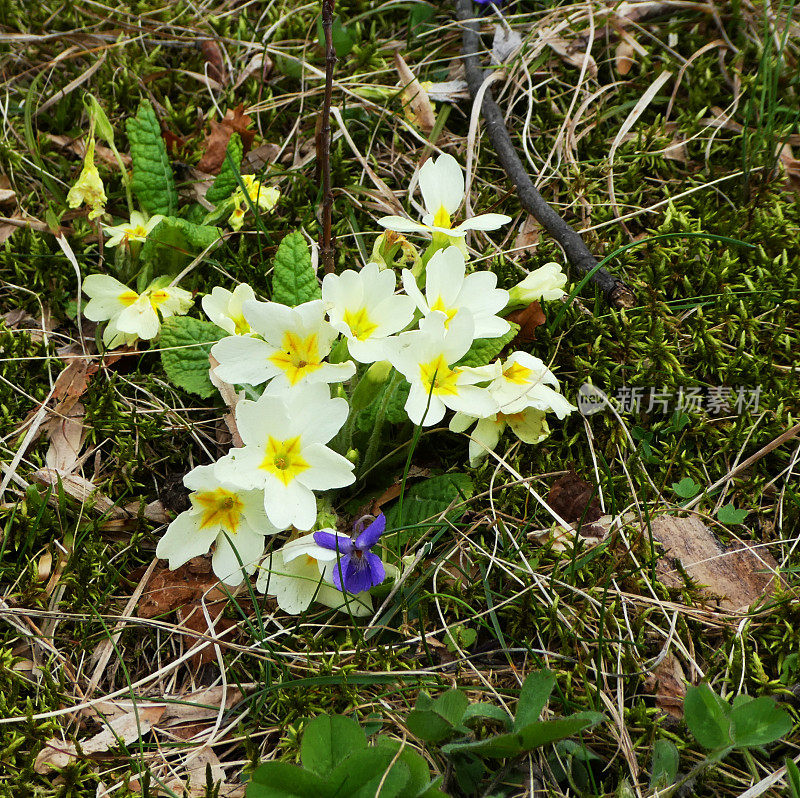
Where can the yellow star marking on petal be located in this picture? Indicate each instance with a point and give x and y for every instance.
(127, 298)
(283, 460)
(359, 323)
(158, 297)
(440, 376)
(442, 218)
(449, 312)
(220, 508)
(298, 357)
(517, 374)
(138, 232)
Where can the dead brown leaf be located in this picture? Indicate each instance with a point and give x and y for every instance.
(738, 575)
(260, 63)
(416, 102)
(125, 729)
(79, 488)
(529, 319)
(193, 618)
(66, 432)
(168, 590)
(667, 683)
(571, 497)
(623, 57)
(234, 121)
(215, 65)
(529, 233)
(791, 167)
(571, 52)
(74, 379)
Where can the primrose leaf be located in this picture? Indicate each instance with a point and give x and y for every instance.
(759, 722)
(708, 717)
(293, 279)
(187, 364)
(226, 182)
(327, 740)
(173, 242)
(484, 350)
(728, 514)
(153, 181)
(359, 774)
(425, 501)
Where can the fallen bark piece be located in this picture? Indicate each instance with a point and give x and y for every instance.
(124, 729)
(739, 575)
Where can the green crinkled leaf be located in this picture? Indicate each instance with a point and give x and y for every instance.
(173, 242)
(294, 281)
(484, 350)
(395, 409)
(187, 367)
(425, 501)
(227, 182)
(153, 181)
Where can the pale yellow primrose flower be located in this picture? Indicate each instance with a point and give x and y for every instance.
(231, 519)
(547, 282)
(292, 349)
(363, 307)
(442, 185)
(88, 187)
(523, 395)
(425, 357)
(301, 572)
(224, 308)
(285, 454)
(131, 315)
(263, 197)
(450, 290)
(136, 230)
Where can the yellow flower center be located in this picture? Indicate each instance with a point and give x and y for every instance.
(442, 218)
(220, 508)
(240, 325)
(127, 298)
(139, 231)
(158, 298)
(283, 459)
(449, 312)
(517, 374)
(298, 356)
(360, 323)
(438, 377)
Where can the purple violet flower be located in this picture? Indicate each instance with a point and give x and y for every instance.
(357, 568)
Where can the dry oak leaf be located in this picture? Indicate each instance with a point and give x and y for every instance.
(124, 729)
(234, 121)
(739, 575)
(167, 590)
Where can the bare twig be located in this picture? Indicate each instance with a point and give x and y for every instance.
(616, 292)
(324, 140)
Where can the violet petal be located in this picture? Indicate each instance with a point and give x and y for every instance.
(340, 569)
(328, 540)
(357, 577)
(377, 573)
(369, 537)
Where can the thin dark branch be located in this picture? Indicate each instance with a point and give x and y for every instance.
(616, 292)
(324, 141)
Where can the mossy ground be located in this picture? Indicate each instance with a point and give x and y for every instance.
(710, 313)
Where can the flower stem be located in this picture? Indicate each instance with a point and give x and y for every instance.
(375, 439)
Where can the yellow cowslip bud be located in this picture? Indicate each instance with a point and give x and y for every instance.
(89, 187)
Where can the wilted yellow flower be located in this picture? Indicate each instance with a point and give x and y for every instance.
(262, 197)
(89, 187)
